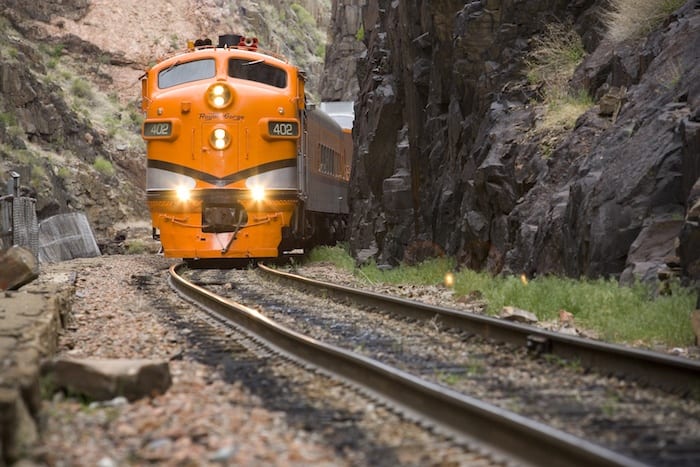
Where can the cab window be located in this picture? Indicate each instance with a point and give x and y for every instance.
(186, 72)
(257, 70)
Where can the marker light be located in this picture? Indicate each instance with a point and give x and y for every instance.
(219, 139)
(258, 193)
(219, 95)
(183, 193)
(449, 280)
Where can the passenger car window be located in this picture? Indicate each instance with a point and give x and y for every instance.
(258, 71)
(186, 72)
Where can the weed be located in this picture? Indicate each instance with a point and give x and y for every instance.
(632, 19)
(360, 34)
(56, 51)
(449, 379)
(81, 88)
(63, 172)
(554, 57)
(306, 19)
(564, 110)
(551, 63)
(475, 368)
(321, 50)
(609, 406)
(103, 166)
(7, 119)
(136, 248)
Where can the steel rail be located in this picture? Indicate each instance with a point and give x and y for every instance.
(675, 374)
(467, 419)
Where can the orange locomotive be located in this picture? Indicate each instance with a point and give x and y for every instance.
(238, 166)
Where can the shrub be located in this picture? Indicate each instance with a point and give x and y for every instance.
(81, 88)
(551, 63)
(632, 19)
(306, 20)
(360, 34)
(554, 57)
(136, 247)
(563, 111)
(7, 119)
(103, 166)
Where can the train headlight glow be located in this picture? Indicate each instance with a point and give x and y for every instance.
(219, 139)
(183, 193)
(258, 193)
(219, 95)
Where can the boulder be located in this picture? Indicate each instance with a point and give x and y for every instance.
(689, 238)
(105, 379)
(18, 266)
(651, 251)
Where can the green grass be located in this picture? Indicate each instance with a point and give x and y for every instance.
(336, 255)
(617, 314)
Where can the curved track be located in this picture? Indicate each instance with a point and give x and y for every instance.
(468, 420)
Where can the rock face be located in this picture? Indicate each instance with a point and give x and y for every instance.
(445, 153)
(339, 79)
(55, 149)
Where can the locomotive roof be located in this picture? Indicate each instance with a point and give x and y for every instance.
(183, 56)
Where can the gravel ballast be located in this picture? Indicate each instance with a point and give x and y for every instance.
(230, 403)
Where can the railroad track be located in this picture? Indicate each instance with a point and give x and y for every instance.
(467, 419)
(680, 375)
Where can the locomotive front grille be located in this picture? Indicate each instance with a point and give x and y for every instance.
(228, 218)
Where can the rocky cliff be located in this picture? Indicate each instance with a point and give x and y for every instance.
(346, 31)
(448, 159)
(69, 89)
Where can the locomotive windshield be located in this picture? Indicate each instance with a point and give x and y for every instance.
(186, 72)
(258, 71)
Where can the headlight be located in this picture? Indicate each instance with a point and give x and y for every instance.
(219, 95)
(183, 193)
(258, 193)
(219, 139)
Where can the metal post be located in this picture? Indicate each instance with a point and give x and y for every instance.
(13, 184)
